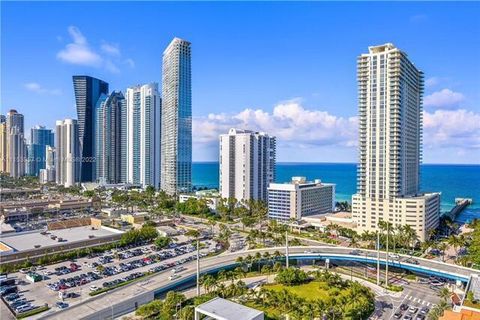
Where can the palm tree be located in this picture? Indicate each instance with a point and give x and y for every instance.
(456, 242)
(444, 294)
(442, 246)
(411, 236)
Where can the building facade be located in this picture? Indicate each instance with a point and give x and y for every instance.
(16, 147)
(110, 142)
(67, 146)
(176, 156)
(3, 145)
(87, 92)
(300, 198)
(247, 164)
(48, 174)
(40, 138)
(142, 139)
(390, 137)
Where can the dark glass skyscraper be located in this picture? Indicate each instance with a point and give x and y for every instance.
(87, 91)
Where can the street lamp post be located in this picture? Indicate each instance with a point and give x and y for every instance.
(378, 258)
(286, 248)
(198, 267)
(386, 257)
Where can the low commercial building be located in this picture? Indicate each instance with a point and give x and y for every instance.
(421, 212)
(321, 221)
(114, 212)
(166, 231)
(222, 309)
(61, 236)
(300, 198)
(212, 198)
(134, 218)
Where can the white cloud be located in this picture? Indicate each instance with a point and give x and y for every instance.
(444, 99)
(432, 82)
(290, 122)
(80, 52)
(37, 88)
(312, 132)
(129, 62)
(452, 128)
(110, 48)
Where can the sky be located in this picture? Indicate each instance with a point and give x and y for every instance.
(285, 68)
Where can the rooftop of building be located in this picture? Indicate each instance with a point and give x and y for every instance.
(219, 308)
(464, 314)
(301, 181)
(22, 241)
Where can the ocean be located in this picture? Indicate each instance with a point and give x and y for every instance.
(453, 181)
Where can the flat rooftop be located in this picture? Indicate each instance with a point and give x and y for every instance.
(27, 240)
(219, 308)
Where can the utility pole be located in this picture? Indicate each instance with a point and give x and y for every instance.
(386, 257)
(286, 248)
(378, 258)
(198, 267)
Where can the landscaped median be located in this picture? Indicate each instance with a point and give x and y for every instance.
(121, 284)
(32, 312)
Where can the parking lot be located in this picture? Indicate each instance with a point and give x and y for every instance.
(64, 284)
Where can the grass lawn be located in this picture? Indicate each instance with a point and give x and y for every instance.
(310, 291)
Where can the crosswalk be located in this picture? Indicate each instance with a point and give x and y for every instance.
(420, 301)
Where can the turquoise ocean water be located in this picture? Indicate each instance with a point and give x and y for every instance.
(451, 180)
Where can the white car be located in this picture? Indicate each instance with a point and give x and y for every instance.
(393, 256)
(174, 276)
(93, 288)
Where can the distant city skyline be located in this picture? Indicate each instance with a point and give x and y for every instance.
(293, 78)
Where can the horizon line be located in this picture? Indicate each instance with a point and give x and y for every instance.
(330, 162)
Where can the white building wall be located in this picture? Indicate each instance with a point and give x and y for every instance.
(390, 137)
(143, 135)
(245, 169)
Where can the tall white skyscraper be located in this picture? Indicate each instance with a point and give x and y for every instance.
(176, 118)
(247, 164)
(143, 135)
(390, 139)
(68, 158)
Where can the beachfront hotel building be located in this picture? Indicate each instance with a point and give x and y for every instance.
(176, 146)
(300, 198)
(142, 137)
(247, 164)
(67, 146)
(390, 89)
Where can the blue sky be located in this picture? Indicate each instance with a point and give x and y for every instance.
(285, 68)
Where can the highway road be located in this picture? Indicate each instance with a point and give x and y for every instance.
(125, 299)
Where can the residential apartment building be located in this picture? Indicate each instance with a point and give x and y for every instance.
(300, 198)
(48, 174)
(142, 139)
(176, 156)
(16, 148)
(3, 145)
(247, 164)
(110, 138)
(87, 92)
(40, 138)
(390, 137)
(67, 146)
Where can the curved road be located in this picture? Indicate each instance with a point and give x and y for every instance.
(128, 298)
